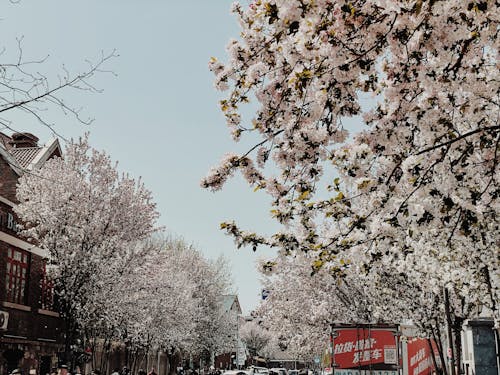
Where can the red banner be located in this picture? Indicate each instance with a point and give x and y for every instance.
(358, 347)
(419, 357)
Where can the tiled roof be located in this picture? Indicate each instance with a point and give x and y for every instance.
(228, 302)
(4, 141)
(24, 155)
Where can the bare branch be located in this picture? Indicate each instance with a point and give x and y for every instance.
(24, 88)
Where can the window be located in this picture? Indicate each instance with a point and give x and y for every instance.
(47, 290)
(16, 277)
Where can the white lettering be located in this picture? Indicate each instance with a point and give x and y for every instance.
(359, 345)
(364, 372)
(377, 353)
(11, 224)
(338, 348)
(422, 366)
(348, 347)
(356, 357)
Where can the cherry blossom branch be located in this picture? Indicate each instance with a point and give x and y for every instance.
(260, 144)
(480, 130)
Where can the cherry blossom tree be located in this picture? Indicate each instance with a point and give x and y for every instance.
(435, 294)
(171, 302)
(255, 337)
(432, 133)
(418, 179)
(91, 220)
(210, 281)
(115, 279)
(428, 157)
(301, 306)
(152, 308)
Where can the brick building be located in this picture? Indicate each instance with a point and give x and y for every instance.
(31, 332)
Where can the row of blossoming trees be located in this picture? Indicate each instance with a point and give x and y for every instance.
(117, 280)
(403, 212)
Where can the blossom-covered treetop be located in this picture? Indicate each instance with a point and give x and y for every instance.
(421, 174)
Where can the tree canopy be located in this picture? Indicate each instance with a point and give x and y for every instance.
(419, 180)
(115, 276)
(89, 218)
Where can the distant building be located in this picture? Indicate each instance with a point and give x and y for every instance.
(232, 306)
(31, 332)
(230, 359)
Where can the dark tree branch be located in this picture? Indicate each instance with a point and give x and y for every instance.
(465, 135)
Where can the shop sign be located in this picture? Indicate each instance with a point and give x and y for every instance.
(355, 347)
(365, 372)
(4, 320)
(7, 221)
(419, 357)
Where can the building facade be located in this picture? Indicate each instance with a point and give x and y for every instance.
(481, 347)
(237, 356)
(31, 331)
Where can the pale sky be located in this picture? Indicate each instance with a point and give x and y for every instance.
(159, 117)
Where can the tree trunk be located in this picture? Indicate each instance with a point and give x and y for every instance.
(457, 330)
(173, 360)
(439, 344)
(69, 340)
(433, 356)
(106, 353)
(449, 330)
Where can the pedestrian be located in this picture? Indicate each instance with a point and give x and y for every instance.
(62, 370)
(152, 372)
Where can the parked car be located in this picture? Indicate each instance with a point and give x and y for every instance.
(237, 372)
(278, 371)
(259, 370)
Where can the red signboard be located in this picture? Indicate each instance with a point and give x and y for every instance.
(419, 357)
(358, 347)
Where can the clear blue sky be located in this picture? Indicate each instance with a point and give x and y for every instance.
(159, 117)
